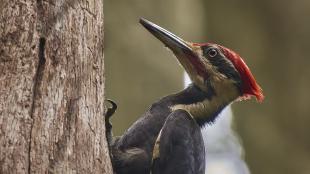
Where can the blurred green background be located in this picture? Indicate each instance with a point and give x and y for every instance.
(272, 36)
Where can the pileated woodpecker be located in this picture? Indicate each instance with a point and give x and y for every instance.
(167, 138)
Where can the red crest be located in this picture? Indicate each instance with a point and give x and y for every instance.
(249, 85)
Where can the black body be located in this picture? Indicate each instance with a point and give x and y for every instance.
(133, 152)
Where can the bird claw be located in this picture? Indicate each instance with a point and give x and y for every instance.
(110, 111)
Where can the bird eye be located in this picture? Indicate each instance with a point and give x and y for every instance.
(212, 52)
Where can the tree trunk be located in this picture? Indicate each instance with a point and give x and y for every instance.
(52, 87)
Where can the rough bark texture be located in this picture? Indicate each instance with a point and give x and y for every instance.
(52, 87)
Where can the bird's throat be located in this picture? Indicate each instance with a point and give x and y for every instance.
(203, 107)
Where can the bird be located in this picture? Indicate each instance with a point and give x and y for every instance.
(167, 138)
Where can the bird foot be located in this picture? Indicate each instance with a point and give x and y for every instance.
(108, 126)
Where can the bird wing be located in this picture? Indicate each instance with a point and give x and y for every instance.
(179, 147)
(129, 161)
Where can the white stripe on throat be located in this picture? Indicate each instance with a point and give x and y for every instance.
(208, 107)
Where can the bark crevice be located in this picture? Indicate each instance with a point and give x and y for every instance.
(36, 90)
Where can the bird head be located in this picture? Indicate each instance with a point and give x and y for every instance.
(210, 66)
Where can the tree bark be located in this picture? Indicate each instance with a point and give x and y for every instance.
(52, 87)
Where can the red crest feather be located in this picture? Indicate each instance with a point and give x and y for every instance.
(249, 84)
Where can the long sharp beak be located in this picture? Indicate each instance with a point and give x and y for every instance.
(184, 51)
(176, 44)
